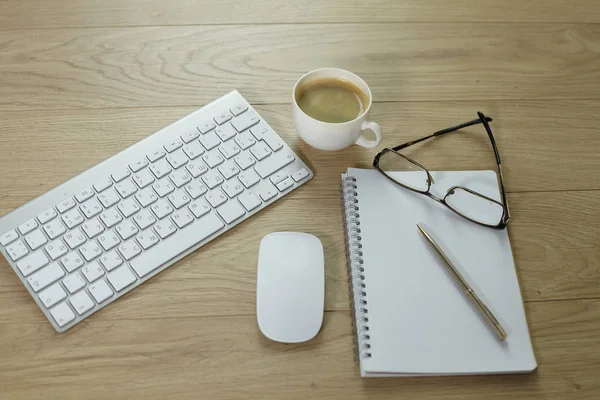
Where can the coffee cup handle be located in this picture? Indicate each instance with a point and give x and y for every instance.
(363, 141)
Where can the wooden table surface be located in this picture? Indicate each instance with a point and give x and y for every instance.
(81, 79)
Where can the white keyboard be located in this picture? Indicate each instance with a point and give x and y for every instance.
(85, 243)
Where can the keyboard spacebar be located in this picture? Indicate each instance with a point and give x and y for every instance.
(174, 245)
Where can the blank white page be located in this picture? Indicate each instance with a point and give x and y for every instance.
(419, 321)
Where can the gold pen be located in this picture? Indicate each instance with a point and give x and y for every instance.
(466, 289)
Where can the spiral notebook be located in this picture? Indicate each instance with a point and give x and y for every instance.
(410, 318)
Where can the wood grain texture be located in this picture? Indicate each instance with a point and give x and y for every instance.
(167, 66)
(81, 80)
(227, 358)
(32, 14)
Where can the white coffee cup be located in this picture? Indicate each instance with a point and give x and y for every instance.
(335, 136)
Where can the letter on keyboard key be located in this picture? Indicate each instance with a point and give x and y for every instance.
(92, 228)
(199, 208)
(91, 208)
(17, 250)
(180, 177)
(45, 276)
(121, 277)
(177, 159)
(195, 189)
(160, 168)
(249, 178)
(8, 237)
(126, 229)
(56, 249)
(260, 150)
(216, 198)
(146, 239)
(62, 314)
(193, 150)
(163, 187)
(129, 207)
(146, 197)
(81, 302)
(143, 178)
(108, 240)
(129, 249)
(245, 121)
(90, 250)
(182, 218)
(210, 140)
(156, 256)
(245, 140)
(111, 217)
(249, 200)
(230, 211)
(212, 179)
(213, 158)
(161, 209)
(72, 218)
(165, 229)
(74, 282)
(32, 263)
(108, 197)
(65, 205)
(100, 290)
(36, 239)
(144, 219)
(126, 188)
(54, 229)
(179, 199)
(28, 226)
(232, 188)
(71, 261)
(111, 260)
(245, 160)
(273, 163)
(52, 295)
(92, 271)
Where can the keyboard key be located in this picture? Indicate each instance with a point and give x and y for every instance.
(161, 209)
(108, 240)
(72, 261)
(81, 302)
(143, 178)
(62, 314)
(199, 208)
(225, 132)
(245, 140)
(260, 150)
(144, 219)
(100, 290)
(45, 276)
(121, 174)
(180, 177)
(147, 239)
(93, 227)
(300, 174)
(160, 168)
(278, 177)
(146, 197)
(75, 238)
(163, 188)
(230, 211)
(126, 229)
(273, 141)
(111, 260)
(72, 218)
(212, 179)
(156, 155)
(238, 109)
(8, 237)
(28, 226)
(259, 131)
(121, 277)
(101, 185)
(36, 239)
(222, 118)
(206, 126)
(267, 191)
(54, 229)
(56, 249)
(249, 178)
(139, 164)
(232, 188)
(285, 185)
(47, 215)
(245, 121)
(109, 197)
(177, 159)
(165, 229)
(273, 163)
(182, 218)
(52, 295)
(129, 207)
(249, 200)
(179, 199)
(161, 253)
(91, 208)
(195, 189)
(229, 170)
(74, 282)
(213, 158)
(210, 141)
(32, 263)
(126, 188)
(190, 136)
(172, 146)
(65, 205)
(90, 250)
(92, 271)
(229, 149)
(193, 150)
(84, 195)
(216, 198)
(196, 168)
(111, 217)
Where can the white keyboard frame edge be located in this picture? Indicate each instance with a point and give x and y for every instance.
(87, 178)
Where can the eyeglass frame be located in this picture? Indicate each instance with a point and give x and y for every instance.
(481, 120)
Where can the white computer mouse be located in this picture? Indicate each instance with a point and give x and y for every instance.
(290, 287)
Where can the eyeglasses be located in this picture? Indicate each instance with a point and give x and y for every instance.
(465, 202)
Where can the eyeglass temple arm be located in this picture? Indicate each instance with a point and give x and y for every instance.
(447, 130)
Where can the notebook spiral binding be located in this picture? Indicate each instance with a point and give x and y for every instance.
(356, 278)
